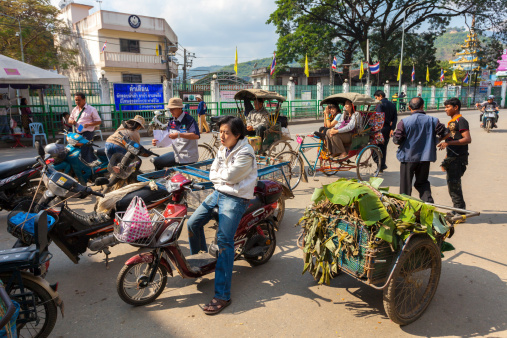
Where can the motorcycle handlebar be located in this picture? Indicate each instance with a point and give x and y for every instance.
(198, 186)
(92, 192)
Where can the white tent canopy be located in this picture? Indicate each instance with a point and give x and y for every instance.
(20, 75)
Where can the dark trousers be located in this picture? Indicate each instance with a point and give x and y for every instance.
(421, 171)
(383, 148)
(455, 169)
(88, 135)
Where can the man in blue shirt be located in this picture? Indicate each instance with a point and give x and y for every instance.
(183, 131)
(201, 113)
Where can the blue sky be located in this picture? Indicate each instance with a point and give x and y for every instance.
(212, 29)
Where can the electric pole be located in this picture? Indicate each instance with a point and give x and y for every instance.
(186, 63)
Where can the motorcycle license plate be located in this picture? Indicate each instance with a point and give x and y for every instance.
(489, 114)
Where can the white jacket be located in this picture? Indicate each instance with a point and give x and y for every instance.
(235, 174)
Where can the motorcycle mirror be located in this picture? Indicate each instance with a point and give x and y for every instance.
(101, 181)
(40, 149)
(59, 141)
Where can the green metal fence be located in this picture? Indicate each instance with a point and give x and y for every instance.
(303, 108)
(331, 90)
(303, 88)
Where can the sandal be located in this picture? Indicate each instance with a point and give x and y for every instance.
(215, 306)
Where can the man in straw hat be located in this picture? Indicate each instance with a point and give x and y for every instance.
(128, 128)
(184, 132)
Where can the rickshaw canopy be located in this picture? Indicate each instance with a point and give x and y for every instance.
(356, 99)
(253, 94)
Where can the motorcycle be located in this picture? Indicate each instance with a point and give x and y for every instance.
(144, 276)
(22, 271)
(488, 119)
(74, 232)
(158, 122)
(69, 159)
(18, 181)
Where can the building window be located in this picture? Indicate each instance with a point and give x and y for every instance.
(313, 80)
(279, 81)
(129, 46)
(131, 78)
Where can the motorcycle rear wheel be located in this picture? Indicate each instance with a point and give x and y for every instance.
(132, 276)
(45, 307)
(269, 232)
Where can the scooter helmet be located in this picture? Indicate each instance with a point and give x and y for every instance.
(491, 97)
(56, 151)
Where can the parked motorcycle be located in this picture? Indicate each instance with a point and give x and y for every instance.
(158, 122)
(21, 271)
(18, 181)
(488, 119)
(144, 276)
(69, 159)
(74, 232)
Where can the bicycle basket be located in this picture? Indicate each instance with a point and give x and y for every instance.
(138, 233)
(21, 220)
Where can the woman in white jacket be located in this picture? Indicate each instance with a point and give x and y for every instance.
(234, 175)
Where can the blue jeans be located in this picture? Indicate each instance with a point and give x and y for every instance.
(112, 149)
(230, 212)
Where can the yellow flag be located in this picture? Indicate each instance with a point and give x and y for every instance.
(236, 62)
(156, 51)
(427, 74)
(399, 73)
(454, 78)
(307, 70)
(361, 70)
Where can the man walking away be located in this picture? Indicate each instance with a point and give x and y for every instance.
(201, 113)
(416, 137)
(390, 120)
(456, 143)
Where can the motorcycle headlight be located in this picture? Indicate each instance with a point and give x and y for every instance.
(55, 189)
(172, 186)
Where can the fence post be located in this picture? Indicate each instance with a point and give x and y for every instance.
(346, 86)
(490, 86)
(367, 89)
(51, 119)
(433, 94)
(387, 90)
(404, 88)
(446, 94)
(503, 93)
(121, 112)
(291, 96)
(320, 91)
(168, 90)
(419, 89)
(215, 96)
(105, 98)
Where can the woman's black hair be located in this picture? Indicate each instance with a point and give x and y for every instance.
(331, 105)
(131, 125)
(23, 102)
(235, 124)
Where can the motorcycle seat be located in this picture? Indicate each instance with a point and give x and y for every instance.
(215, 119)
(100, 152)
(15, 256)
(10, 168)
(149, 196)
(253, 205)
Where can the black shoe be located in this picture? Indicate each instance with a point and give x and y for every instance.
(319, 135)
(382, 168)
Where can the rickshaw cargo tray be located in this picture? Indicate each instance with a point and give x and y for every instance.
(200, 171)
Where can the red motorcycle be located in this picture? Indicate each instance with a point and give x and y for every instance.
(144, 276)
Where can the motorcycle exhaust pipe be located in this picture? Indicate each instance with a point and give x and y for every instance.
(102, 243)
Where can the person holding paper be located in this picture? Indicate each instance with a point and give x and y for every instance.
(84, 117)
(184, 133)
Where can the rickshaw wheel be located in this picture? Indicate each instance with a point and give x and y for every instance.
(278, 147)
(414, 281)
(294, 171)
(329, 163)
(368, 163)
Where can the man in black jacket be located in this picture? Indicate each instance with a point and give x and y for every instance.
(391, 118)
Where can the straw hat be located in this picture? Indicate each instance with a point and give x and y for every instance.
(139, 119)
(175, 102)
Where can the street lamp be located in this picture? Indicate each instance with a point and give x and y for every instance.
(20, 36)
(402, 42)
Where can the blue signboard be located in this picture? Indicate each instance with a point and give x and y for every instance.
(138, 96)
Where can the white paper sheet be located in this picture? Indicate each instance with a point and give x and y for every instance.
(162, 136)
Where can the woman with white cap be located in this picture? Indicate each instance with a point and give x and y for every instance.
(184, 133)
(128, 128)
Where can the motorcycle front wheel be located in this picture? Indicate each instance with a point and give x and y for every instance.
(45, 308)
(133, 284)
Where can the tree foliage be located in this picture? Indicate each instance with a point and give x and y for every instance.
(342, 27)
(39, 25)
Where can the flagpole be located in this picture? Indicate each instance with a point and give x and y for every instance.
(368, 60)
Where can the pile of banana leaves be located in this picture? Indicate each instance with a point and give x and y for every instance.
(388, 217)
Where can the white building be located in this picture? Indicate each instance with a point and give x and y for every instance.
(132, 44)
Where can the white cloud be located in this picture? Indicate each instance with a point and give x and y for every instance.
(210, 29)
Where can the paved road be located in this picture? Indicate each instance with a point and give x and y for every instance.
(276, 300)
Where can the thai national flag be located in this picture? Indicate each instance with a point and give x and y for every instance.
(413, 73)
(465, 80)
(334, 63)
(104, 47)
(374, 68)
(273, 64)
(441, 75)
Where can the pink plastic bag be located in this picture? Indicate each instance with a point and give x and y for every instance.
(136, 223)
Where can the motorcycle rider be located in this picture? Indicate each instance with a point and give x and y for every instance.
(129, 128)
(184, 132)
(489, 104)
(234, 175)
